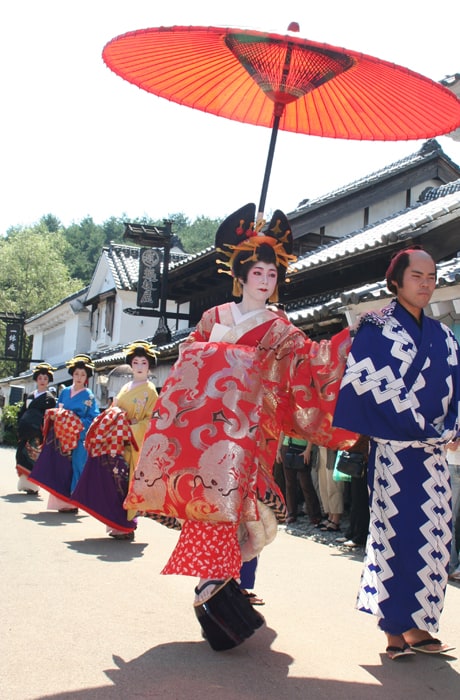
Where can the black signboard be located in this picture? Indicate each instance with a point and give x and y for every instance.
(12, 340)
(149, 283)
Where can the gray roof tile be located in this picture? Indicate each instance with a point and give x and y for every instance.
(430, 150)
(448, 275)
(124, 264)
(435, 192)
(123, 261)
(381, 233)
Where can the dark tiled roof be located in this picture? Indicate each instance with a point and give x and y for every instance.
(429, 151)
(312, 312)
(449, 272)
(326, 307)
(382, 233)
(435, 192)
(180, 262)
(123, 261)
(452, 82)
(116, 354)
(448, 275)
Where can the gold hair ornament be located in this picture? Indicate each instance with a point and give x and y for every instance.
(148, 348)
(83, 359)
(44, 368)
(251, 245)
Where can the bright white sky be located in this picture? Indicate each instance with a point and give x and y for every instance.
(77, 140)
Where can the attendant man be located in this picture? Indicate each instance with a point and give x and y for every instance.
(401, 387)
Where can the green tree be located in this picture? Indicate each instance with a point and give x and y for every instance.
(85, 240)
(33, 276)
(113, 229)
(10, 422)
(197, 235)
(51, 222)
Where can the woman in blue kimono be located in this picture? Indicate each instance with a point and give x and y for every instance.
(401, 387)
(63, 456)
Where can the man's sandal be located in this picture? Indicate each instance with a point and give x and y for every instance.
(394, 652)
(440, 647)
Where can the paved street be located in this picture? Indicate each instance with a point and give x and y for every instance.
(85, 616)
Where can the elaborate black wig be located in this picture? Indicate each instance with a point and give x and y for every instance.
(141, 348)
(81, 362)
(44, 368)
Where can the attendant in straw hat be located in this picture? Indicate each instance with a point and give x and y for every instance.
(244, 375)
(30, 425)
(64, 455)
(113, 443)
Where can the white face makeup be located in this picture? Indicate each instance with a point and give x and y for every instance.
(140, 367)
(260, 284)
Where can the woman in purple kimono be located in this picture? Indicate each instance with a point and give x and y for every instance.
(63, 457)
(113, 443)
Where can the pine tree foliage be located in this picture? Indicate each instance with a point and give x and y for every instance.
(42, 264)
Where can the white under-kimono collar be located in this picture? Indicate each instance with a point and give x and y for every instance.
(238, 317)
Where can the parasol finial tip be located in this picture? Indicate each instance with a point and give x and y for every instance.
(294, 27)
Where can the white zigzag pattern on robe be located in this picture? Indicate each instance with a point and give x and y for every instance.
(377, 557)
(373, 381)
(365, 377)
(402, 347)
(451, 346)
(438, 536)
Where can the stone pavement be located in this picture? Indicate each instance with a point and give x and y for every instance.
(83, 616)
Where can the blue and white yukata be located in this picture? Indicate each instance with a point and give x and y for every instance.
(401, 387)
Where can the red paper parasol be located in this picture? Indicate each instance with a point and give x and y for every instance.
(284, 82)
